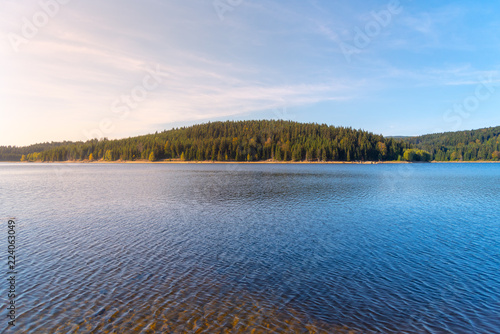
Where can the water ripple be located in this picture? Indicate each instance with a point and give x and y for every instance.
(256, 248)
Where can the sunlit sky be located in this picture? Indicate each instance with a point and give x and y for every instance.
(73, 70)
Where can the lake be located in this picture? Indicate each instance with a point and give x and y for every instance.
(307, 248)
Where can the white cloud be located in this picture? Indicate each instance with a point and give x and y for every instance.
(69, 77)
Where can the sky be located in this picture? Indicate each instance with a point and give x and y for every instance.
(82, 69)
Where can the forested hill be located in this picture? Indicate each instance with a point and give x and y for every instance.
(229, 141)
(481, 144)
(14, 153)
(269, 140)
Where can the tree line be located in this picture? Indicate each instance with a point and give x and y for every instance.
(15, 153)
(473, 145)
(269, 140)
(231, 141)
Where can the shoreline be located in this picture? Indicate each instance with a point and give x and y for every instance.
(248, 162)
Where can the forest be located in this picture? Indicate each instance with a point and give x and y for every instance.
(263, 140)
(473, 145)
(226, 141)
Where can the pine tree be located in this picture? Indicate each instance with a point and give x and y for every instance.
(262, 140)
(296, 156)
(308, 155)
(277, 155)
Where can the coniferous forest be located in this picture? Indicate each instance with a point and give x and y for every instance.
(473, 145)
(268, 140)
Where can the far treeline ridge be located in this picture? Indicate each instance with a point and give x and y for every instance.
(269, 140)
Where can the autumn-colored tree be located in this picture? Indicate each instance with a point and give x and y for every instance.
(382, 149)
(91, 157)
(455, 156)
(152, 156)
(409, 155)
(108, 156)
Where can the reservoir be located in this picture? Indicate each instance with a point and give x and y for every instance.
(214, 248)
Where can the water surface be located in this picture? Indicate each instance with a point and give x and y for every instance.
(271, 248)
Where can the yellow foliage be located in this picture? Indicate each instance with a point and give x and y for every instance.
(152, 156)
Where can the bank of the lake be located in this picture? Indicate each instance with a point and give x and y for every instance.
(178, 161)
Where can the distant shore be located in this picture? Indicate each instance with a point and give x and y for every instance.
(178, 161)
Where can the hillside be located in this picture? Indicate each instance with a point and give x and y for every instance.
(269, 140)
(230, 141)
(14, 153)
(481, 144)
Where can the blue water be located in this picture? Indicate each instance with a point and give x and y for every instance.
(272, 248)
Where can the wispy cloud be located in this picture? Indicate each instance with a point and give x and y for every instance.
(76, 72)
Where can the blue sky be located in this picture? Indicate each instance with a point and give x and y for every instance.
(75, 69)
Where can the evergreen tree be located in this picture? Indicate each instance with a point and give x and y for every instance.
(263, 140)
